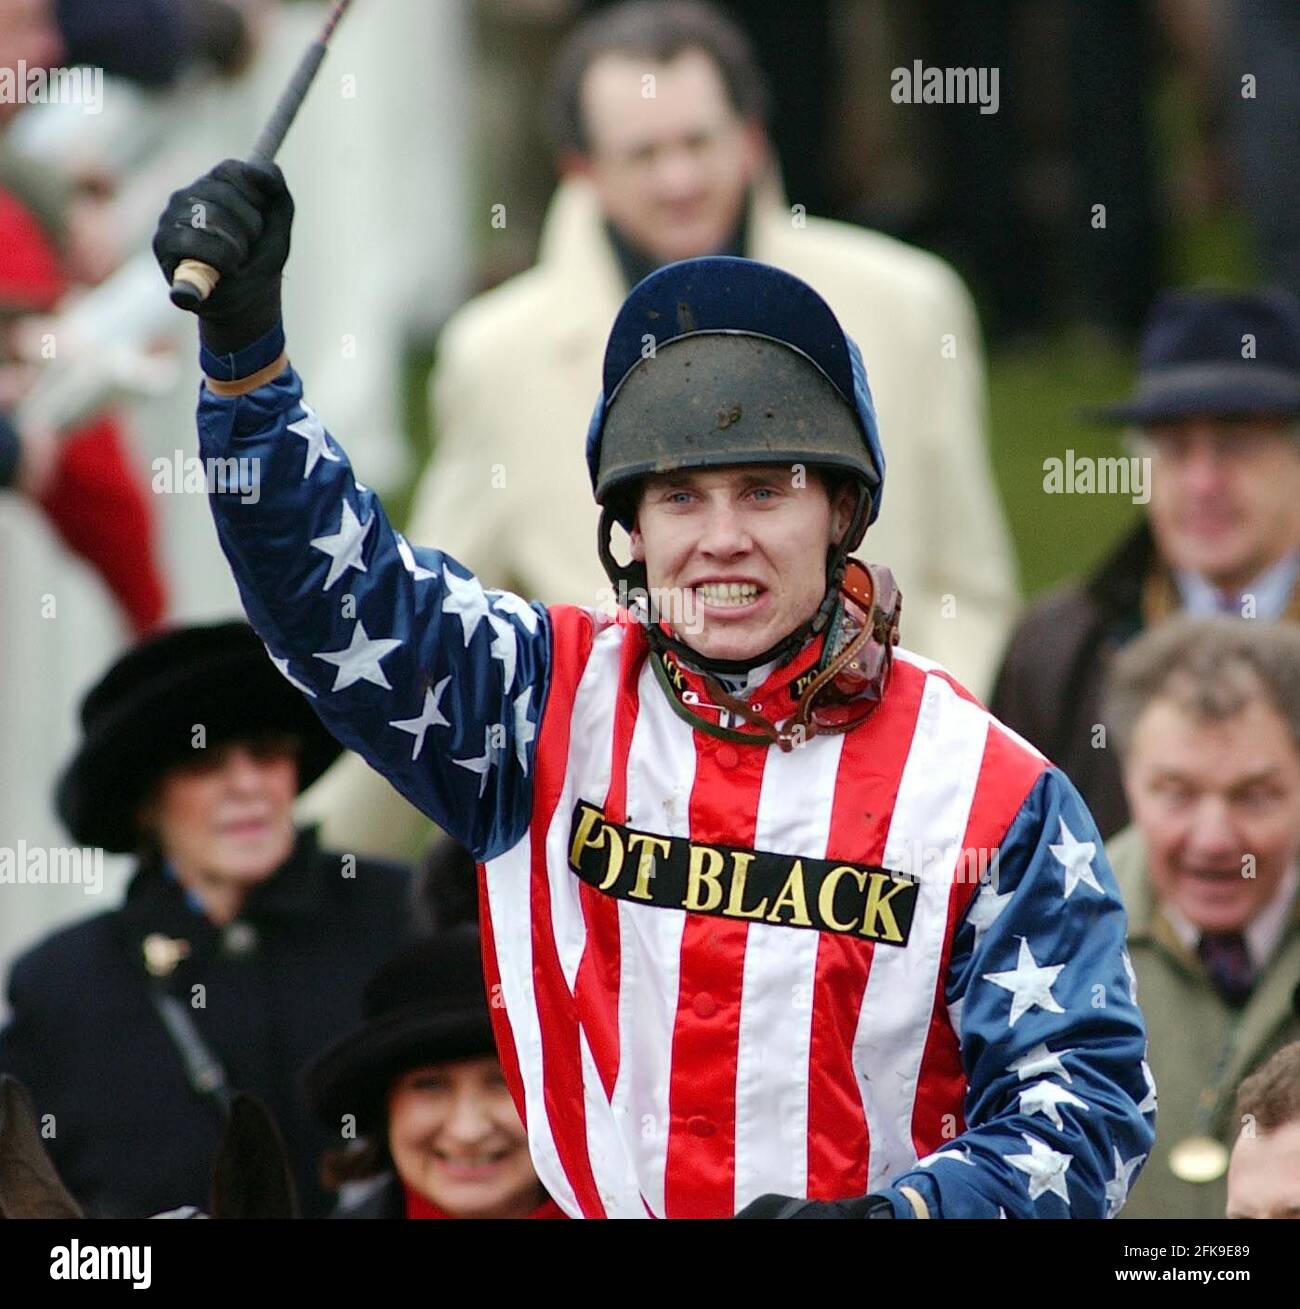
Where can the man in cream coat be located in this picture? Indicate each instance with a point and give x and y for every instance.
(657, 124)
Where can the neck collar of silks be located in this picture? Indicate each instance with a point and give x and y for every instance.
(723, 362)
(831, 683)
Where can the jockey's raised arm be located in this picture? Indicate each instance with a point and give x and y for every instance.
(781, 919)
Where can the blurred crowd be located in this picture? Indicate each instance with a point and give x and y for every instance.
(484, 182)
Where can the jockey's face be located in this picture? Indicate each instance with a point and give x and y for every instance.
(456, 1138)
(736, 557)
(669, 157)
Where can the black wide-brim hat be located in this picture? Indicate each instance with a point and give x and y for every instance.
(139, 720)
(425, 1005)
(1215, 354)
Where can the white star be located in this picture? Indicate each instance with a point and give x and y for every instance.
(1029, 984)
(524, 729)
(430, 716)
(1076, 858)
(487, 758)
(311, 431)
(1117, 1187)
(1132, 976)
(958, 1156)
(465, 597)
(1044, 1097)
(416, 570)
(1148, 1105)
(283, 666)
(360, 661)
(955, 1012)
(987, 905)
(1040, 1062)
(1045, 1168)
(504, 647)
(516, 605)
(344, 547)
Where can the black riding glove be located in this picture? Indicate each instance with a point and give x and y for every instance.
(236, 218)
(785, 1206)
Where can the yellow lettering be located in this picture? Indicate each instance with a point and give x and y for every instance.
(583, 840)
(698, 878)
(740, 861)
(645, 865)
(615, 858)
(792, 894)
(675, 674)
(581, 835)
(826, 896)
(878, 908)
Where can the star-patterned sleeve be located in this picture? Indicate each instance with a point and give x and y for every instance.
(1060, 1106)
(437, 682)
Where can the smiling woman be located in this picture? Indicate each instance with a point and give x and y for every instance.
(457, 1142)
(419, 1094)
(224, 820)
(193, 748)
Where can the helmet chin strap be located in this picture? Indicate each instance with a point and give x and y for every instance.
(846, 688)
(631, 577)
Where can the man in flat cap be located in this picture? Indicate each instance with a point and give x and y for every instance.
(1216, 419)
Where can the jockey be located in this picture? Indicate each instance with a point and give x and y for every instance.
(777, 918)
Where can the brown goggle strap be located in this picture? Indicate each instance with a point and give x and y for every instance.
(801, 726)
(864, 587)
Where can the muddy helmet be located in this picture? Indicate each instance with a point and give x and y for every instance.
(721, 361)
(724, 361)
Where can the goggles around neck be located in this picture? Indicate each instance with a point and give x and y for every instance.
(837, 693)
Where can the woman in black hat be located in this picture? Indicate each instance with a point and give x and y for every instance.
(241, 947)
(419, 1092)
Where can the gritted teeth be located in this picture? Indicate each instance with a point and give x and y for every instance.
(724, 593)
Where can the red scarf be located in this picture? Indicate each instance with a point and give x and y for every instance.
(419, 1206)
